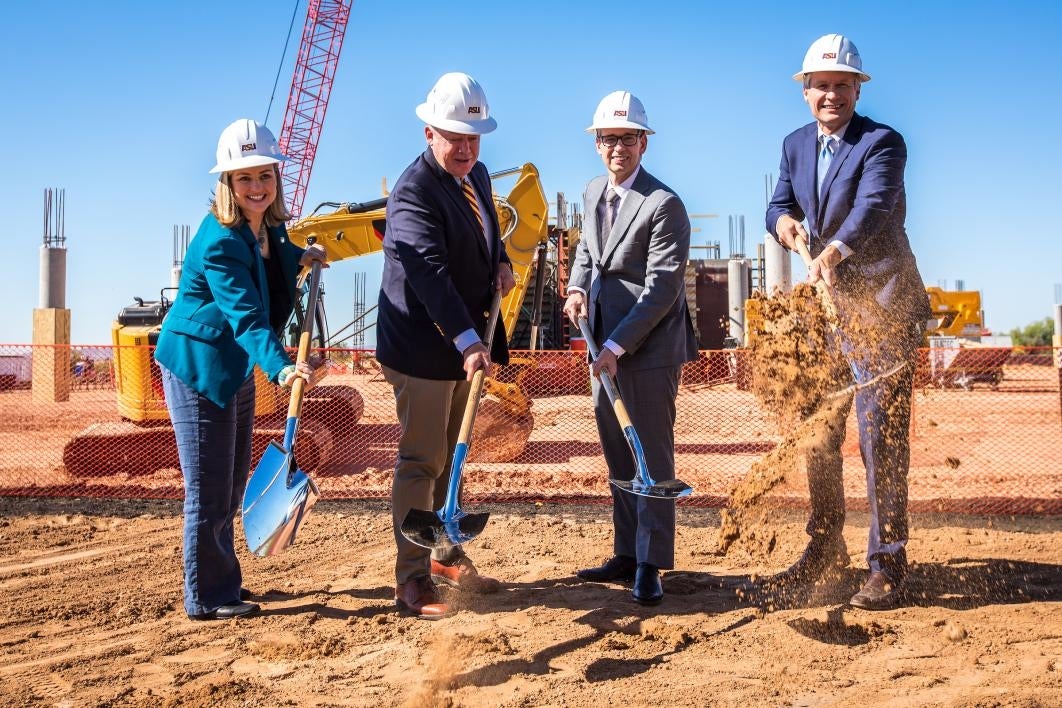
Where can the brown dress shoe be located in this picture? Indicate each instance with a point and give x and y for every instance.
(421, 598)
(462, 574)
(880, 592)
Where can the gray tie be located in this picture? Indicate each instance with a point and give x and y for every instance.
(611, 199)
(825, 157)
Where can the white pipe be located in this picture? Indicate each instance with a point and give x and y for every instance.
(777, 265)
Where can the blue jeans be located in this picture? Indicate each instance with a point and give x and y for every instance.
(214, 446)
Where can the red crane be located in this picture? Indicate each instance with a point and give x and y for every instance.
(311, 86)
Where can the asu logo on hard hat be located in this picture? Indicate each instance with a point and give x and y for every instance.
(832, 52)
(245, 143)
(457, 103)
(620, 109)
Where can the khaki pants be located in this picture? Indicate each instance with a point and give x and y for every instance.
(430, 413)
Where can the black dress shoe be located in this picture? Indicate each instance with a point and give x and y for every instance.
(230, 610)
(647, 587)
(880, 592)
(615, 568)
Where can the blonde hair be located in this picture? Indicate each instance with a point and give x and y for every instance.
(228, 212)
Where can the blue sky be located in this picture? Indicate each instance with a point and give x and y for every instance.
(121, 104)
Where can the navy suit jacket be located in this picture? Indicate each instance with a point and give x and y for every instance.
(218, 327)
(864, 206)
(438, 276)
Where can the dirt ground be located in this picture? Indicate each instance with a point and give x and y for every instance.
(91, 615)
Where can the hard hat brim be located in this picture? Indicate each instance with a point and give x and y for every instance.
(464, 127)
(605, 125)
(799, 76)
(241, 163)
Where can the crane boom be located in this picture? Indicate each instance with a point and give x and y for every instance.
(311, 87)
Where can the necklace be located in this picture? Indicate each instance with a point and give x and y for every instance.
(263, 240)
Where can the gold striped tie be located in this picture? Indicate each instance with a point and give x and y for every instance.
(466, 187)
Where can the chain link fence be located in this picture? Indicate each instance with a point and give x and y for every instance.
(986, 430)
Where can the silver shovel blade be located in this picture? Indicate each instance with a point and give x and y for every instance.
(275, 502)
(430, 530)
(668, 489)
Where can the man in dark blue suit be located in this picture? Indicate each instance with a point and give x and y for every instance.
(443, 260)
(844, 175)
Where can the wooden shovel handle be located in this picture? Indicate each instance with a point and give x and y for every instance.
(472, 404)
(305, 336)
(821, 287)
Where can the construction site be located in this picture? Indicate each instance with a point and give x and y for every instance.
(91, 497)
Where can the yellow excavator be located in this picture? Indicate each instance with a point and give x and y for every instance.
(503, 424)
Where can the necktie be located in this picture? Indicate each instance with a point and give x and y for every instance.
(825, 157)
(466, 187)
(609, 217)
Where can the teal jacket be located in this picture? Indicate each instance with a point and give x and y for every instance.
(218, 327)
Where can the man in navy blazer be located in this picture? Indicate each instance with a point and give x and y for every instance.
(844, 175)
(443, 260)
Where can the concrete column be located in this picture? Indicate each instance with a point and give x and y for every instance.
(777, 266)
(52, 292)
(737, 284)
(51, 355)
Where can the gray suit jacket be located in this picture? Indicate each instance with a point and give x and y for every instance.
(635, 285)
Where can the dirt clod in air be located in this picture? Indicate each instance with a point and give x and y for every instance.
(795, 366)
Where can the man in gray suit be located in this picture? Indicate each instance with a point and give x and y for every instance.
(628, 281)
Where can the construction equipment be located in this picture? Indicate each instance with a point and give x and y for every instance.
(956, 313)
(118, 447)
(643, 484)
(279, 494)
(450, 526)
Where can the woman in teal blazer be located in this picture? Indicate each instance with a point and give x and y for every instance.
(236, 293)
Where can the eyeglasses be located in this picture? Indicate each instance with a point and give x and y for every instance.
(628, 139)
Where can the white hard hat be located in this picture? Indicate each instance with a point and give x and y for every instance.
(246, 144)
(457, 103)
(620, 109)
(832, 52)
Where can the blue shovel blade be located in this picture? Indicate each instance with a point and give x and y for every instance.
(277, 498)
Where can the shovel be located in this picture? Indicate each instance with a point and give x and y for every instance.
(450, 526)
(643, 485)
(279, 495)
(862, 377)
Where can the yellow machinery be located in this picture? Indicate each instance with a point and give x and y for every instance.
(348, 232)
(957, 313)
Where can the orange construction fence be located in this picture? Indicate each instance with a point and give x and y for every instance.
(986, 429)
